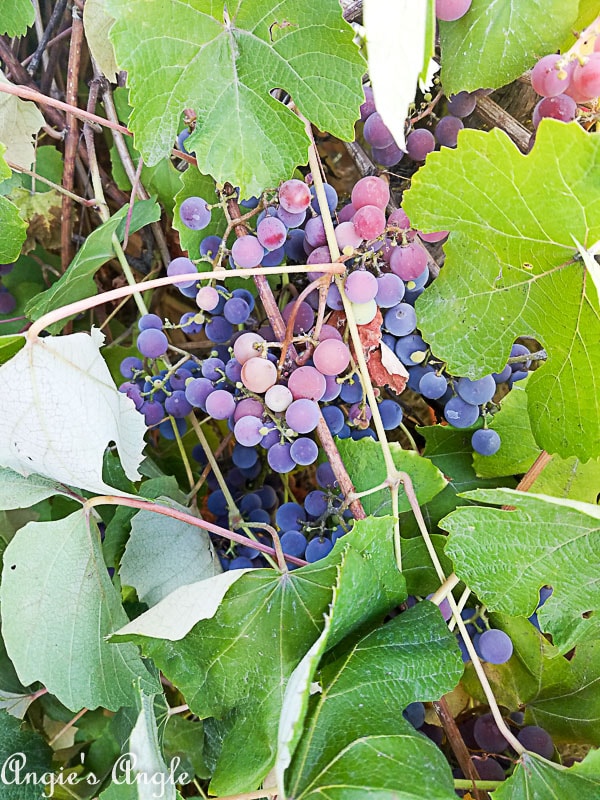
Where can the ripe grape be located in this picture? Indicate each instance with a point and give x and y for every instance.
(289, 516)
(314, 230)
(450, 10)
(376, 132)
(271, 233)
(361, 286)
(486, 442)
(391, 414)
(461, 104)
(218, 330)
(247, 252)
(545, 78)
(194, 213)
(369, 222)
(476, 392)
(294, 196)
(401, 319)
(459, 413)
(244, 457)
(302, 415)
(536, 740)
(8, 302)
(419, 144)
(213, 368)
(248, 407)
(129, 366)
(291, 220)
(334, 417)
(495, 646)
(447, 130)
(433, 386)
(308, 383)
(197, 390)
(177, 404)
(488, 769)
(209, 246)
(488, 736)
(236, 310)
(368, 107)
(293, 543)
(279, 458)
(317, 548)
(150, 321)
(330, 195)
(304, 451)
(304, 316)
(370, 191)
(152, 343)
(182, 266)
(411, 349)
(387, 156)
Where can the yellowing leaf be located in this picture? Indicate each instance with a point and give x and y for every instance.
(97, 23)
(20, 120)
(63, 412)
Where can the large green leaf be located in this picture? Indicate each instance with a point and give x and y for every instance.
(356, 742)
(78, 281)
(506, 556)
(510, 261)
(15, 739)
(366, 467)
(537, 779)
(16, 16)
(12, 226)
(209, 54)
(55, 586)
(235, 666)
(495, 42)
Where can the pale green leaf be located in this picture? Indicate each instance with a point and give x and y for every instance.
(356, 742)
(17, 491)
(78, 281)
(20, 120)
(14, 703)
(66, 413)
(208, 55)
(14, 229)
(97, 23)
(506, 556)
(537, 779)
(235, 666)
(38, 758)
(146, 757)
(16, 16)
(56, 587)
(366, 467)
(511, 269)
(495, 42)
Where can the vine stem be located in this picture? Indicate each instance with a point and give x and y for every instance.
(56, 186)
(458, 745)
(156, 508)
(125, 291)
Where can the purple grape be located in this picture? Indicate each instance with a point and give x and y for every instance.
(152, 343)
(361, 286)
(280, 459)
(459, 413)
(495, 647)
(390, 290)
(488, 769)
(325, 476)
(182, 266)
(419, 144)
(150, 321)
(221, 405)
(247, 431)
(218, 330)
(209, 246)
(330, 194)
(447, 130)
(177, 405)
(197, 390)
(194, 213)
(289, 219)
(376, 132)
(134, 392)
(334, 417)
(8, 302)
(302, 415)
(368, 107)
(486, 442)
(271, 233)
(294, 246)
(562, 107)
(304, 451)
(536, 740)
(213, 368)
(387, 156)
(487, 735)
(153, 412)
(314, 231)
(461, 104)
(236, 310)
(129, 366)
(317, 548)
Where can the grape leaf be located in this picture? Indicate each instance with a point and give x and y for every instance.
(38, 758)
(56, 587)
(14, 229)
(17, 491)
(16, 16)
(163, 554)
(535, 778)
(495, 42)
(366, 467)
(20, 120)
(509, 259)
(355, 740)
(235, 666)
(66, 412)
(184, 739)
(78, 281)
(97, 23)
(506, 556)
(209, 54)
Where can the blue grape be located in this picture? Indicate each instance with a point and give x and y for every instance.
(411, 349)
(495, 646)
(304, 451)
(325, 476)
(213, 368)
(129, 366)
(415, 714)
(334, 417)
(486, 442)
(289, 516)
(476, 392)
(401, 319)
(241, 563)
(433, 386)
(167, 431)
(177, 405)
(150, 321)
(391, 414)
(317, 548)
(461, 414)
(152, 343)
(181, 137)
(189, 323)
(293, 543)
(268, 496)
(352, 391)
(316, 503)
(209, 246)
(244, 456)
(330, 194)
(236, 310)
(219, 330)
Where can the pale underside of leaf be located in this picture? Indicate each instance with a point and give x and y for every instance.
(97, 23)
(66, 412)
(20, 120)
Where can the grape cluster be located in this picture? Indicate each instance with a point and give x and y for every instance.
(564, 83)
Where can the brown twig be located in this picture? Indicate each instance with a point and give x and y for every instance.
(458, 746)
(55, 18)
(58, 38)
(71, 141)
(493, 114)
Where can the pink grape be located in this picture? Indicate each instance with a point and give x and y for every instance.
(369, 222)
(244, 346)
(432, 238)
(361, 286)
(302, 415)
(331, 357)
(450, 10)
(278, 398)
(207, 298)
(307, 383)
(562, 107)
(194, 213)
(419, 144)
(346, 235)
(329, 332)
(259, 374)
(376, 132)
(294, 196)
(409, 261)
(399, 219)
(271, 233)
(545, 78)
(247, 252)
(586, 78)
(370, 191)
(248, 407)
(247, 431)
(220, 404)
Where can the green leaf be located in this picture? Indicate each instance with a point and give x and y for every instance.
(208, 55)
(506, 556)
(38, 757)
(97, 23)
(355, 741)
(366, 467)
(195, 184)
(10, 346)
(56, 587)
(78, 281)
(163, 554)
(16, 16)
(235, 666)
(510, 257)
(17, 491)
(537, 779)
(20, 120)
(48, 164)
(14, 229)
(450, 450)
(494, 43)
(184, 739)
(417, 567)
(588, 11)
